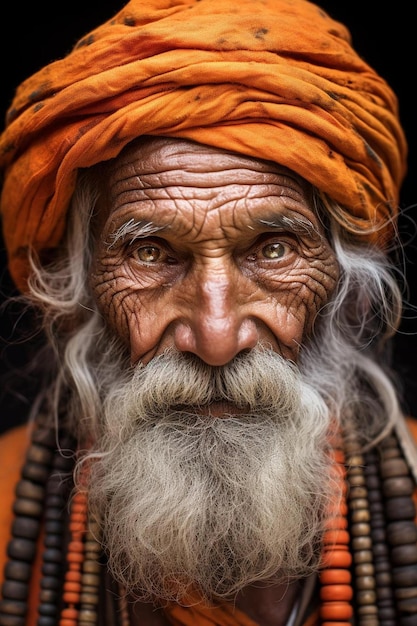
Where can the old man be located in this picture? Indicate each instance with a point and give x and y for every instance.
(200, 200)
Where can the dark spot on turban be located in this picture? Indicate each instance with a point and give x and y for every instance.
(260, 33)
(372, 154)
(85, 41)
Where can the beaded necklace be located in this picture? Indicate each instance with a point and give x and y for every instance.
(369, 567)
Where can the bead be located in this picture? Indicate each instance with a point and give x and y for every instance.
(52, 555)
(15, 590)
(401, 532)
(48, 595)
(356, 480)
(393, 467)
(87, 615)
(358, 493)
(335, 576)
(408, 620)
(360, 515)
(92, 598)
(39, 454)
(338, 623)
(333, 537)
(53, 541)
(92, 567)
(406, 592)
(336, 611)
(364, 569)
(18, 570)
(44, 436)
(13, 607)
(408, 605)
(359, 503)
(70, 597)
(92, 546)
(50, 582)
(11, 620)
(75, 557)
(47, 609)
(360, 529)
(365, 582)
(26, 506)
(366, 596)
(21, 549)
(36, 472)
(405, 576)
(69, 613)
(73, 576)
(336, 522)
(92, 580)
(28, 489)
(368, 610)
(400, 508)
(378, 534)
(384, 579)
(384, 594)
(361, 543)
(398, 486)
(76, 546)
(26, 527)
(51, 569)
(363, 556)
(46, 620)
(404, 555)
(54, 526)
(331, 593)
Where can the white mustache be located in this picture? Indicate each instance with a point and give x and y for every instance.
(173, 382)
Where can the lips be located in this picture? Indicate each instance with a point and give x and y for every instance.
(215, 409)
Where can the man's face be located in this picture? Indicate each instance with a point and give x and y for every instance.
(210, 465)
(208, 252)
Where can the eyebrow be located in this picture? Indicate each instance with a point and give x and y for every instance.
(294, 224)
(134, 229)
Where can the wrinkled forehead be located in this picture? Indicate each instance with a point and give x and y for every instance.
(168, 170)
(158, 162)
(173, 153)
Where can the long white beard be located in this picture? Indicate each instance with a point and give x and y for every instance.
(192, 501)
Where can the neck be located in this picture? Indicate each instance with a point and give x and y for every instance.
(269, 605)
(266, 605)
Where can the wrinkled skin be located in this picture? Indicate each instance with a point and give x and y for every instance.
(225, 254)
(221, 272)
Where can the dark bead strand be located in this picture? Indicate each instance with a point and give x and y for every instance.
(382, 566)
(57, 492)
(28, 509)
(360, 531)
(91, 570)
(398, 487)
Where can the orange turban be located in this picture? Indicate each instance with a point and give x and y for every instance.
(274, 79)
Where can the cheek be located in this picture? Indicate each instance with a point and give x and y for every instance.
(298, 298)
(112, 300)
(136, 315)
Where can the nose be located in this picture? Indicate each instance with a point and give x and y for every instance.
(216, 328)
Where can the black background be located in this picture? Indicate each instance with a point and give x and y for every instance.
(33, 34)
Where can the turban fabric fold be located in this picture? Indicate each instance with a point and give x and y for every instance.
(273, 79)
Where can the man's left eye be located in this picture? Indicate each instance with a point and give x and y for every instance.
(148, 254)
(275, 250)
